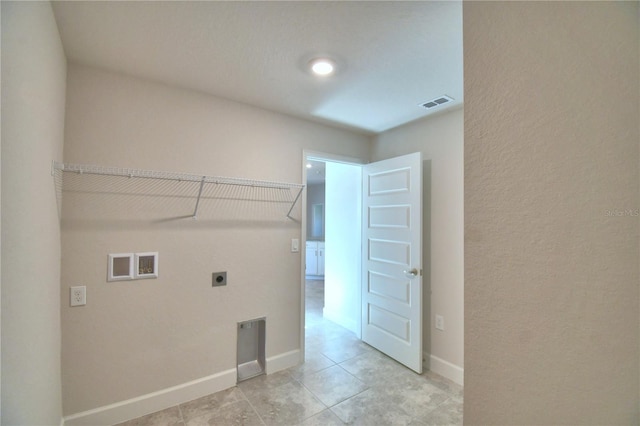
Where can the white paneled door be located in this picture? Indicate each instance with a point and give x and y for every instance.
(392, 258)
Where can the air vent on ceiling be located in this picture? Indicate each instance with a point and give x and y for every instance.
(441, 100)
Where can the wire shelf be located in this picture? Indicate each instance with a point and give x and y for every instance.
(195, 186)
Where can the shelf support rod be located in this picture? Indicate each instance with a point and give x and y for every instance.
(294, 203)
(195, 212)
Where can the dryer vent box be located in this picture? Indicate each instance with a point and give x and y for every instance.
(251, 348)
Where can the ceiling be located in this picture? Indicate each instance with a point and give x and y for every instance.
(391, 56)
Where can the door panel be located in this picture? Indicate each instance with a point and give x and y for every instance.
(389, 322)
(392, 246)
(390, 287)
(390, 216)
(394, 252)
(390, 181)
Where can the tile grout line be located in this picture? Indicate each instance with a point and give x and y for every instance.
(344, 400)
(326, 407)
(329, 407)
(251, 405)
(313, 372)
(184, 422)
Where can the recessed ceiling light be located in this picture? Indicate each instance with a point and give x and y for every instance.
(322, 66)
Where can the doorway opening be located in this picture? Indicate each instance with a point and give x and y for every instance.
(332, 257)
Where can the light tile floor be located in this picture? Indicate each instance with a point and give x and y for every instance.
(343, 381)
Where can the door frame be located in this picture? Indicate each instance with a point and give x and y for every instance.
(320, 156)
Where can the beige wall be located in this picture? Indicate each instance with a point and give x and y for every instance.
(33, 97)
(551, 270)
(137, 337)
(315, 195)
(440, 139)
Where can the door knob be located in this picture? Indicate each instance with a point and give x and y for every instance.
(412, 273)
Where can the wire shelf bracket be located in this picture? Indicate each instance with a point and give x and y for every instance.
(296, 188)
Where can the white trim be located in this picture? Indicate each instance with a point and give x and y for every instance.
(283, 361)
(335, 158)
(443, 368)
(154, 401)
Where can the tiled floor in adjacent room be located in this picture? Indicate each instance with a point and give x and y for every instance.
(343, 381)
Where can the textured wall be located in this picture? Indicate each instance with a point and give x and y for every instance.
(33, 97)
(137, 337)
(440, 139)
(551, 213)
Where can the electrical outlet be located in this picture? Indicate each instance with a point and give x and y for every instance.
(78, 296)
(219, 279)
(439, 322)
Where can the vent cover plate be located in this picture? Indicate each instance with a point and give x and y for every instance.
(440, 100)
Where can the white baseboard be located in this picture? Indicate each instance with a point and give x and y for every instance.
(444, 368)
(283, 361)
(165, 398)
(341, 320)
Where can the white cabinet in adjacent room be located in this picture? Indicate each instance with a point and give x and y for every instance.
(315, 258)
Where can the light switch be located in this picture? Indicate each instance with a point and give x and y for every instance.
(295, 245)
